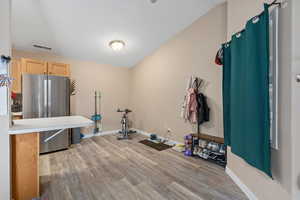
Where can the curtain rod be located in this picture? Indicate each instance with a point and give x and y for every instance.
(275, 2)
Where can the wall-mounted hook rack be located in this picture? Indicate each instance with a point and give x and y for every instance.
(5, 79)
(5, 59)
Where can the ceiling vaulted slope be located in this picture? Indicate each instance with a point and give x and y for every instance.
(82, 29)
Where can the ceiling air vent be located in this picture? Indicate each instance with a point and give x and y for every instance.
(42, 47)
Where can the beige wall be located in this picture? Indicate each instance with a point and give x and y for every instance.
(239, 11)
(295, 98)
(154, 89)
(158, 83)
(113, 82)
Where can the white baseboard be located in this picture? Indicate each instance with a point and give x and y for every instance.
(141, 132)
(241, 185)
(170, 142)
(89, 135)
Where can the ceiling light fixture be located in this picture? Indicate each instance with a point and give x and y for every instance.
(117, 45)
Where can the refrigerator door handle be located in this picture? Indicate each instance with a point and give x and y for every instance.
(45, 99)
(49, 98)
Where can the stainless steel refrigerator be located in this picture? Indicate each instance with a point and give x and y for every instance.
(47, 96)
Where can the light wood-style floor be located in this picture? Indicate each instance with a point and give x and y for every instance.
(105, 168)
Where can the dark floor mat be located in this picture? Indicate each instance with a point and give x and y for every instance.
(157, 146)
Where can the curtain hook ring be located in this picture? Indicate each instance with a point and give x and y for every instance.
(255, 19)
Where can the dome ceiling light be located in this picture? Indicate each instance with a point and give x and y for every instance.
(117, 45)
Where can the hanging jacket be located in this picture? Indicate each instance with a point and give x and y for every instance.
(203, 109)
(185, 112)
(184, 106)
(192, 106)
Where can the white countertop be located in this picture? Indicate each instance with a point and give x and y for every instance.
(48, 124)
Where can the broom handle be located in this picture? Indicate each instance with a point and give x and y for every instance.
(95, 102)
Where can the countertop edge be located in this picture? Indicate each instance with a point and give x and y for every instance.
(31, 128)
(24, 131)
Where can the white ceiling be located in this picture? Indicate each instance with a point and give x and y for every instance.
(82, 29)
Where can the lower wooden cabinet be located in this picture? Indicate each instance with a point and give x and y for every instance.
(25, 166)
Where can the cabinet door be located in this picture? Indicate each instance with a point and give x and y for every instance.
(58, 69)
(16, 73)
(31, 66)
(25, 166)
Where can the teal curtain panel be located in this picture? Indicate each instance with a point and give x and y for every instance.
(246, 93)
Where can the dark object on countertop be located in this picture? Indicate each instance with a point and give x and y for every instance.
(157, 146)
(17, 102)
(16, 108)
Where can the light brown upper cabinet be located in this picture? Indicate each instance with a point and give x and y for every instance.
(30, 66)
(15, 72)
(58, 69)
